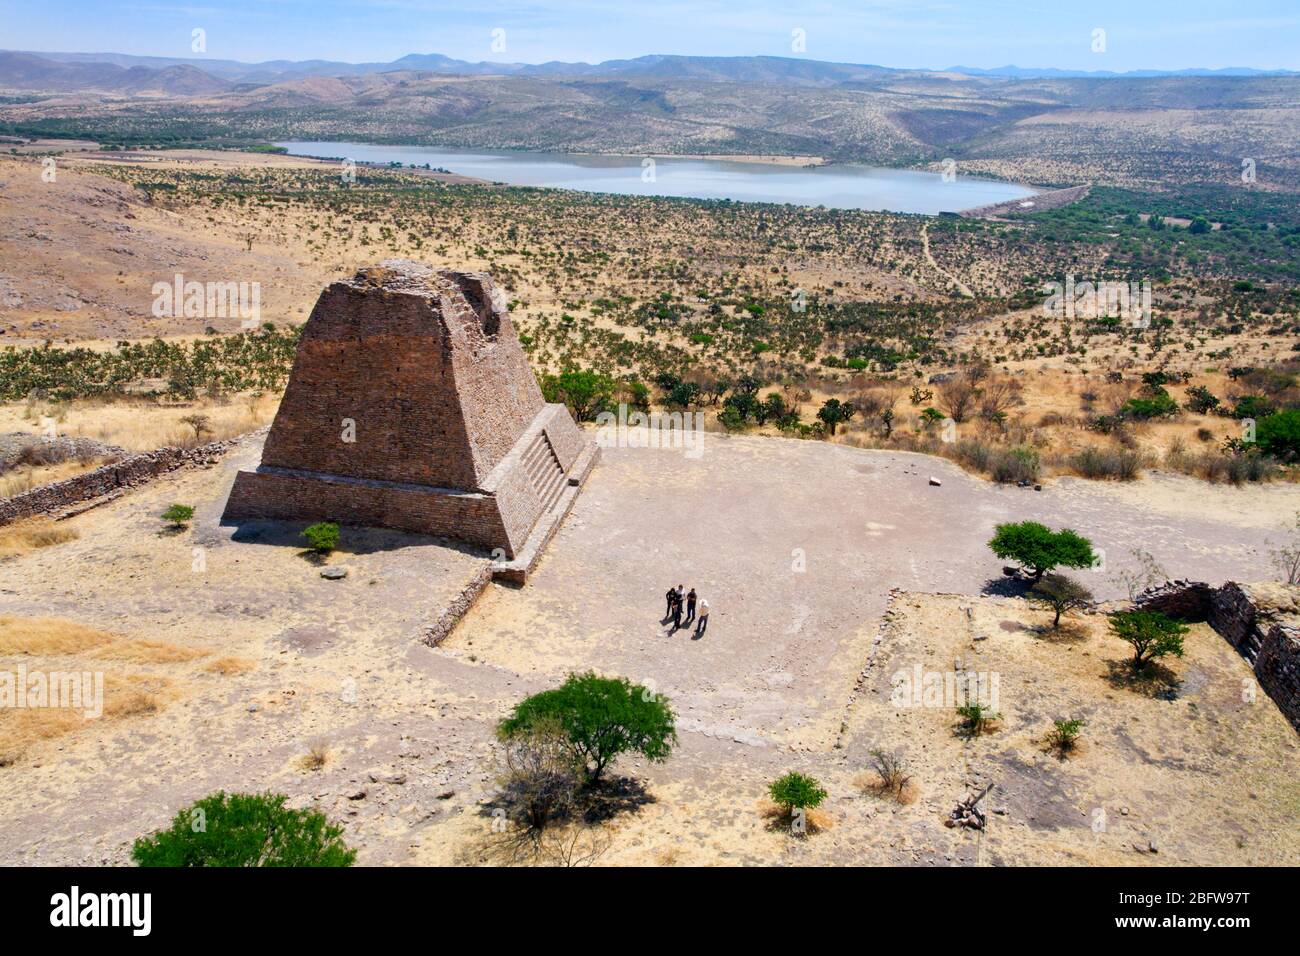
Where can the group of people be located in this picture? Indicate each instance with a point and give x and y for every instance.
(682, 602)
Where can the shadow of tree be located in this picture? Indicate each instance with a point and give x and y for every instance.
(1007, 587)
(607, 798)
(1070, 632)
(1155, 680)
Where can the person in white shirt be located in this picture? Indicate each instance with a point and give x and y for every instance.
(702, 622)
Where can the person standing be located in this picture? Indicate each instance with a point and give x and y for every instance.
(702, 624)
(671, 596)
(690, 607)
(677, 610)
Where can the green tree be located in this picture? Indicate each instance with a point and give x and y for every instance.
(834, 412)
(585, 393)
(603, 717)
(1150, 634)
(1039, 549)
(178, 515)
(241, 829)
(1279, 435)
(796, 791)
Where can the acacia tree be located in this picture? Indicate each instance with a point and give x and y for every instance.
(602, 717)
(1039, 549)
(1060, 594)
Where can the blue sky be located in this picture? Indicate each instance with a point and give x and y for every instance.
(1139, 34)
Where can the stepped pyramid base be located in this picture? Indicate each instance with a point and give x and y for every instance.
(516, 511)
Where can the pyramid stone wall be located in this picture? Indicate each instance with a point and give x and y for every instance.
(450, 433)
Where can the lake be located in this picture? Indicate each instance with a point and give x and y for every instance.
(836, 186)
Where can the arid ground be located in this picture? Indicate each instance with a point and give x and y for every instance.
(232, 664)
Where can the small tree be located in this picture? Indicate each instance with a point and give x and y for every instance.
(796, 791)
(1150, 633)
(1039, 549)
(178, 516)
(602, 718)
(1064, 735)
(542, 778)
(1060, 594)
(322, 536)
(893, 772)
(1287, 558)
(242, 829)
(834, 412)
(201, 425)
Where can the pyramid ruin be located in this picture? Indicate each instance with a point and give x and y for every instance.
(411, 405)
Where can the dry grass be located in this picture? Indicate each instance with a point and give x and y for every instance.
(141, 424)
(131, 695)
(49, 635)
(229, 666)
(27, 536)
(315, 758)
(22, 480)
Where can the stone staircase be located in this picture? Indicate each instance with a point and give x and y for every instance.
(543, 469)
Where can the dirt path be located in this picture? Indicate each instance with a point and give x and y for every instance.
(925, 244)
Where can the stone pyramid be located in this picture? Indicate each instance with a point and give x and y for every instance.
(411, 405)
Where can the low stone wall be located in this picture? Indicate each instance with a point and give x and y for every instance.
(1262, 621)
(108, 479)
(1185, 600)
(437, 632)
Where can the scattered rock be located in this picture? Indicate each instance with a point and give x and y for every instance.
(334, 573)
(936, 482)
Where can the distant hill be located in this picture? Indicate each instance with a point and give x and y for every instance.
(26, 71)
(729, 69)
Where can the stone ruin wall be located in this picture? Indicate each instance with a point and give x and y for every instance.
(1264, 631)
(110, 479)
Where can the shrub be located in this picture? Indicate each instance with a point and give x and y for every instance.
(976, 718)
(1252, 406)
(602, 718)
(178, 515)
(322, 536)
(893, 772)
(1039, 549)
(1015, 464)
(1279, 435)
(1159, 405)
(1150, 633)
(796, 791)
(241, 829)
(1064, 735)
(1122, 464)
(542, 777)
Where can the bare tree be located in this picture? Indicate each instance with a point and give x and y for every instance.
(1287, 558)
(958, 396)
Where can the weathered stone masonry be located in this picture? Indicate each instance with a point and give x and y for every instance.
(1262, 621)
(451, 434)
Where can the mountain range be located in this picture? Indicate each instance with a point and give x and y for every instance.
(196, 76)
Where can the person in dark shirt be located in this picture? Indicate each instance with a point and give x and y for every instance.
(690, 608)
